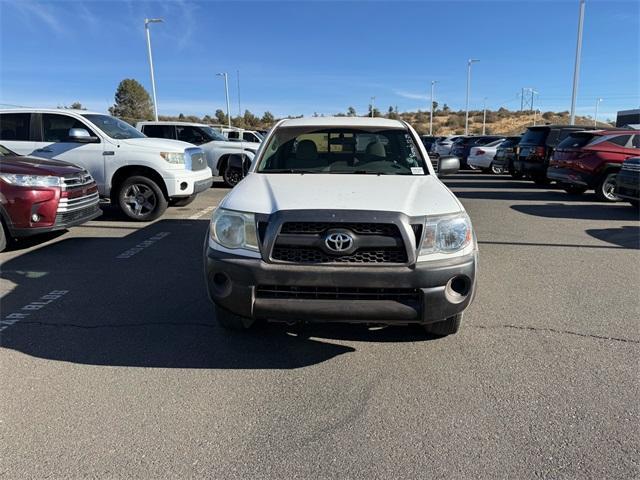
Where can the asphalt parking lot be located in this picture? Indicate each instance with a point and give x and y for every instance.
(117, 368)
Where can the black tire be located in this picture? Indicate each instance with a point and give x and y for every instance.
(516, 174)
(446, 327)
(182, 202)
(3, 237)
(540, 180)
(231, 177)
(574, 189)
(606, 186)
(141, 199)
(231, 321)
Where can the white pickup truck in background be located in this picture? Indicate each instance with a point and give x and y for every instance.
(216, 147)
(141, 175)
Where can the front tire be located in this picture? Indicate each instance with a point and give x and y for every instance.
(606, 186)
(446, 327)
(141, 199)
(231, 177)
(231, 321)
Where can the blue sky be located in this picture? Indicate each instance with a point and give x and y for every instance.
(314, 56)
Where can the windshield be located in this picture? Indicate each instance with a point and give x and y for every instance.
(535, 136)
(576, 140)
(5, 152)
(342, 150)
(213, 134)
(114, 127)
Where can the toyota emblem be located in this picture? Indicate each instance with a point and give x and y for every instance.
(338, 242)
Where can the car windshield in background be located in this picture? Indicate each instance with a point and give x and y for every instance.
(346, 151)
(113, 127)
(535, 136)
(510, 142)
(213, 134)
(576, 140)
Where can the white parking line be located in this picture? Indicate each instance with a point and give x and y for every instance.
(142, 245)
(201, 213)
(25, 311)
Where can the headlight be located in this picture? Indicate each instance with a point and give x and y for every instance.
(234, 230)
(173, 157)
(446, 234)
(31, 180)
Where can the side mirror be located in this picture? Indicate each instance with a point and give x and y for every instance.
(81, 135)
(239, 164)
(448, 165)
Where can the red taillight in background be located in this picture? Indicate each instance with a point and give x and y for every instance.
(480, 152)
(539, 151)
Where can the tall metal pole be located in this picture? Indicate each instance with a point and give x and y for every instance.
(239, 108)
(576, 68)
(226, 93)
(433, 82)
(373, 99)
(522, 99)
(533, 92)
(147, 21)
(595, 118)
(466, 116)
(484, 114)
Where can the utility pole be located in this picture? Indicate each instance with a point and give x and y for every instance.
(239, 109)
(373, 99)
(595, 118)
(226, 92)
(533, 92)
(147, 21)
(466, 117)
(576, 67)
(484, 114)
(522, 99)
(433, 82)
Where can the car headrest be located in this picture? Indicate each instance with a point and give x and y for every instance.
(306, 150)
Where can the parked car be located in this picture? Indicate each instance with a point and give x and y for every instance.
(307, 236)
(241, 135)
(628, 181)
(536, 147)
(428, 141)
(140, 175)
(443, 146)
(505, 153)
(463, 145)
(482, 157)
(38, 196)
(591, 160)
(216, 147)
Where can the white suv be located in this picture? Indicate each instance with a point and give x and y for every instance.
(217, 148)
(342, 219)
(141, 175)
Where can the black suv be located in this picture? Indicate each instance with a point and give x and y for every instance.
(505, 154)
(535, 149)
(463, 145)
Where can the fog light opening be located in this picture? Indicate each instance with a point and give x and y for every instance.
(184, 185)
(457, 289)
(35, 218)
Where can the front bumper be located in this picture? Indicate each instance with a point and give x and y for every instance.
(422, 293)
(628, 185)
(189, 183)
(530, 168)
(63, 221)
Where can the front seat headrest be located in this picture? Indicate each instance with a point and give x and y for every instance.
(306, 150)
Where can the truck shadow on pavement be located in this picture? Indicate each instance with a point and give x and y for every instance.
(626, 236)
(140, 301)
(595, 211)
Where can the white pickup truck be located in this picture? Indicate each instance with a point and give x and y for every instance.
(216, 147)
(141, 175)
(341, 219)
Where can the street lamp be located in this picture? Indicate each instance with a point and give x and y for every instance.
(484, 114)
(226, 92)
(595, 118)
(576, 67)
(433, 82)
(147, 21)
(373, 99)
(466, 117)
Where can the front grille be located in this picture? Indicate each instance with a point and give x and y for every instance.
(632, 167)
(64, 218)
(304, 242)
(404, 295)
(69, 204)
(77, 180)
(315, 255)
(195, 159)
(435, 162)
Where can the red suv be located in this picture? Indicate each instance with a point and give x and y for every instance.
(38, 195)
(592, 159)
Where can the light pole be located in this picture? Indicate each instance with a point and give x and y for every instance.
(595, 118)
(484, 114)
(147, 21)
(373, 99)
(433, 83)
(239, 109)
(226, 93)
(576, 67)
(466, 117)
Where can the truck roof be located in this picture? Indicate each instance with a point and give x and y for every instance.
(49, 110)
(341, 122)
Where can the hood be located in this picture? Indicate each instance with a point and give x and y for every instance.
(411, 195)
(37, 166)
(235, 145)
(155, 144)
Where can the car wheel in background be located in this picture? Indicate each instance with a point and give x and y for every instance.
(231, 177)
(3, 237)
(540, 180)
(574, 189)
(447, 327)
(497, 169)
(231, 321)
(606, 186)
(182, 202)
(141, 199)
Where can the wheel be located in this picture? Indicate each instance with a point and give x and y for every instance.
(3, 237)
(496, 169)
(446, 327)
(574, 189)
(516, 174)
(540, 180)
(230, 177)
(231, 321)
(141, 199)
(606, 186)
(182, 202)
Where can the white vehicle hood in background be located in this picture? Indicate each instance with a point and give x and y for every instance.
(411, 195)
(155, 144)
(236, 145)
